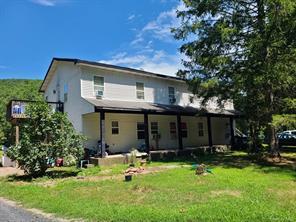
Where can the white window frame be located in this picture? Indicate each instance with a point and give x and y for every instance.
(115, 127)
(171, 95)
(98, 87)
(201, 129)
(154, 128)
(140, 130)
(140, 91)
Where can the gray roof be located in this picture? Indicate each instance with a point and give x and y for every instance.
(115, 105)
(106, 66)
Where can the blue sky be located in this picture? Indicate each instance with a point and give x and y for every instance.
(133, 33)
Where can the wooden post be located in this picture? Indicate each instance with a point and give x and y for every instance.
(146, 123)
(102, 133)
(209, 131)
(17, 134)
(179, 127)
(231, 131)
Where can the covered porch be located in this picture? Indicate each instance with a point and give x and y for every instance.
(119, 126)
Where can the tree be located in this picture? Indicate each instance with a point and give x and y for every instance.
(45, 136)
(244, 50)
(15, 89)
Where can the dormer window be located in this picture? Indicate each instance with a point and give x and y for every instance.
(140, 90)
(172, 97)
(99, 86)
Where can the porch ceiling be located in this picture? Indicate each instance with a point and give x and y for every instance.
(156, 108)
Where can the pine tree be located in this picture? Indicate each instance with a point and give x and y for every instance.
(243, 50)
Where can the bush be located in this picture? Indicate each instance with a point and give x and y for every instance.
(70, 160)
(45, 136)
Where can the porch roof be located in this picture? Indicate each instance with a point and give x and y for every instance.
(156, 108)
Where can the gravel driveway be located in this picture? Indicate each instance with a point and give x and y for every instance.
(10, 212)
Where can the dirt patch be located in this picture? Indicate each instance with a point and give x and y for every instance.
(233, 193)
(9, 171)
(142, 189)
(283, 161)
(283, 194)
(147, 170)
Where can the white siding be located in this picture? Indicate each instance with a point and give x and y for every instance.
(122, 86)
(220, 130)
(127, 137)
(75, 106)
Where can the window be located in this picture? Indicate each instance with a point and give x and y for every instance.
(200, 129)
(154, 128)
(173, 130)
(115, 127)
(172, 98)
(184, 130)
(227, 131)
(140, 130)
(99, 86)
(140, 90)
(65, 92)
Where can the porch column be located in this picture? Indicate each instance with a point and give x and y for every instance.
(102, 133)
(209, 131)
(146, 123)
(231, 131)
(180, 139)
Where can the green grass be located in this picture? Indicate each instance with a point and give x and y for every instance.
(238, 190)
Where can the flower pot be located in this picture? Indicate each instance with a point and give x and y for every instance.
(128, 178)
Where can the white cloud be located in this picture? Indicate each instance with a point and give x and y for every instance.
(145, 56)
(131, 17)
(160, 28)
(157, 62)
(46, 2)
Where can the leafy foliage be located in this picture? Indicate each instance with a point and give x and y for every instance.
(243, 50)
(15, 89)
(284, 122)
(45, 136)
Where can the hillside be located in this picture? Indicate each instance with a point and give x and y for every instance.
(15, 89)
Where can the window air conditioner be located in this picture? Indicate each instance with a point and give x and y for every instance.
(99, 94)
(172, 100)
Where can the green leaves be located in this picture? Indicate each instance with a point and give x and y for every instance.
(45, 136)
(243, 50)
(15, 89)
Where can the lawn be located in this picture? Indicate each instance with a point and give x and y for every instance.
(240, 189)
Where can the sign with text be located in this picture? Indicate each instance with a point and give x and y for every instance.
(18, 109)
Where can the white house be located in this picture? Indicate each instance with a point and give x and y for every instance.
(129, 108)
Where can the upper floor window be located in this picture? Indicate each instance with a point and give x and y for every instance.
(99, 86)
(200, 129)
(140, 90)
(172, 97)
(65, 92)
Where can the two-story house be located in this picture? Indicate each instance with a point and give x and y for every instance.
(129, 108)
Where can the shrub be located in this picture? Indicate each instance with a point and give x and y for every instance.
(45, 136)
(70, 160)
